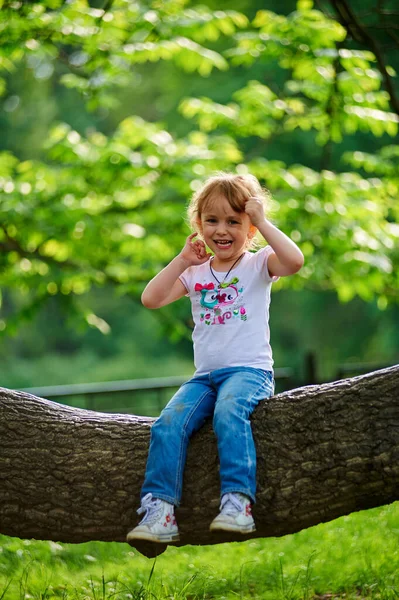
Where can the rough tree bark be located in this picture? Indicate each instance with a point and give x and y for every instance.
(74, 475)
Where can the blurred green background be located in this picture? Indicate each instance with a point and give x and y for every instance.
(112, 113)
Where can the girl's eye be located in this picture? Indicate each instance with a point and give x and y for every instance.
(211, 220)
(233, 222)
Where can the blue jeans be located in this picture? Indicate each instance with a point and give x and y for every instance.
(230, 394)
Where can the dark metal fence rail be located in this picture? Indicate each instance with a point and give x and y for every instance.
(286, 378)
(312, 374)
(159, 386)
(90, 391)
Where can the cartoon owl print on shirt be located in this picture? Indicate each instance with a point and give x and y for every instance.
(221, 303)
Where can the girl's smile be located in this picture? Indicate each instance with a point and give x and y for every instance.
(223, 244)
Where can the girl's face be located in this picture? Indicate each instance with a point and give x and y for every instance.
(225, 231)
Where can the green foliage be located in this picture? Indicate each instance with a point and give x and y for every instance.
(102, 207)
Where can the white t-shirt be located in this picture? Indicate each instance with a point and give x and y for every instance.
(231, 321)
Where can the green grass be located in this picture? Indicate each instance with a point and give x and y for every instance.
(85, 367)
(355, 557)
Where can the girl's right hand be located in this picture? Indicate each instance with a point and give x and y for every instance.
(194, 251)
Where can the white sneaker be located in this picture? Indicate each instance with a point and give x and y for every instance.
(158, 524)
(235, 515)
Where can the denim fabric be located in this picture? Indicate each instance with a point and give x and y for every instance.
(230, 395)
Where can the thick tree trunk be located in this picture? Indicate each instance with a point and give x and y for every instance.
(323, 451)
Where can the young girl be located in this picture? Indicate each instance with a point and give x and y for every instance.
(229, 289)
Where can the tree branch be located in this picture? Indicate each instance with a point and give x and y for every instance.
(323, 451)
(360, 34)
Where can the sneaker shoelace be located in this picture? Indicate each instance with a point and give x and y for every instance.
(151, 508)
(230, 505)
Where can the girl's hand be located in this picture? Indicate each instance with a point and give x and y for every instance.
(255, 210)
(194, 251)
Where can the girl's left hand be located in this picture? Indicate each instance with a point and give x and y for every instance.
(255, 210)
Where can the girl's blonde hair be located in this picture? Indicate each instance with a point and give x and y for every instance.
(237, 189)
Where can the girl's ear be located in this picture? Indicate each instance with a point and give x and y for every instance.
(198, 226)
(252, 232)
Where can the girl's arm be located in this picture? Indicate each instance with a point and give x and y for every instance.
(166, 287)
(287, 258)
